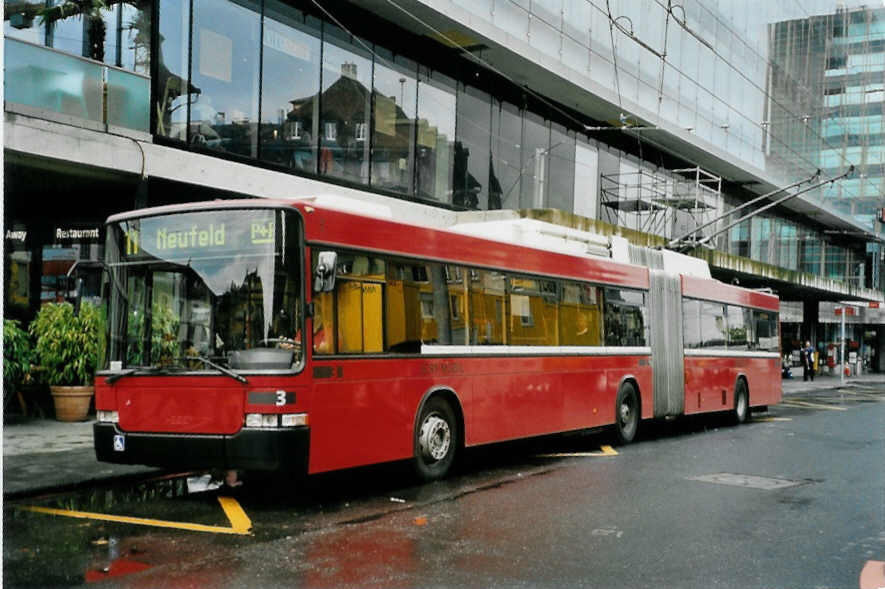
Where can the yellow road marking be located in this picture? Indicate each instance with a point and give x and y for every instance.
(604, 451)
(806, 404)
(240, 523)
(772, 419)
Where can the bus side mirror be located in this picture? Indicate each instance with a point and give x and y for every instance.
(324, 275)
(75, 271)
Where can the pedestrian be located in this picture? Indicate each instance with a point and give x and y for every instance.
(808, 362)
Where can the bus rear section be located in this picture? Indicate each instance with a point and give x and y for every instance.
(732, 348)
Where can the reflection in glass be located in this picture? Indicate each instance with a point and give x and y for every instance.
(172, 70)
(22, 22)
(225, 51)
(561, 183)
(347, 78)
(223, 285)
(535, 159)
(506, 154)
(471, 151)
(66, 33)
(394, 94)
(436, 136)
(135, 38)
(290, 89)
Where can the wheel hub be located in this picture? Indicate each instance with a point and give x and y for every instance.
(435, 438)
(625, 413)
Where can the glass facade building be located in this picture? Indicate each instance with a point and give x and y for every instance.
(650, 115)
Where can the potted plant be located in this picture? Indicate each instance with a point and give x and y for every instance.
(17, 354)
(68, 347)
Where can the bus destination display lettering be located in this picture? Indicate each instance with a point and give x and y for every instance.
(196, 237)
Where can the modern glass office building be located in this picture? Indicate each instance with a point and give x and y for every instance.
(644, 116)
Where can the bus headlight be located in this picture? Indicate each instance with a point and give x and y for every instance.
(274, 420)
(108, 416)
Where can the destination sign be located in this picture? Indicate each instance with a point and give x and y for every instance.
(195, 234)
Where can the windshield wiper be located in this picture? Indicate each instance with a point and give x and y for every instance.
(139, 370)
(219, 368)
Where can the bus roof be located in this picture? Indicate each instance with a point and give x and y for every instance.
(499, 240)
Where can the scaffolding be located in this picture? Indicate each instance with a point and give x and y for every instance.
(665, 202)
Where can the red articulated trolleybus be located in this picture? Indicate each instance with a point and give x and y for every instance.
(315, 334)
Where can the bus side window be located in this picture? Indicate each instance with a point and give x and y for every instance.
(323, 323)
(714, 332)
(691, 323)
(738, 326)
(487, 303)
(580, 316)
(404, 319)
(626, 317)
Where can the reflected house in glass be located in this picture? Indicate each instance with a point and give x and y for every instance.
(343, 130)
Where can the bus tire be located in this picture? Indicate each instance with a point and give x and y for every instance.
(741, 411)
(435, 439)
(626, 414)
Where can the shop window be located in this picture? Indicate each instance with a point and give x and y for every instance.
(17, 260)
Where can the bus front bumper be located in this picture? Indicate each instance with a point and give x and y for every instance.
(249, 449)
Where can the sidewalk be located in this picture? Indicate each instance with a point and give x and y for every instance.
(796, 385)
(42, 455)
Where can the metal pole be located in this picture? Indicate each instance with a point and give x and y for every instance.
(842, 346)
(674, 242)
(773, 204)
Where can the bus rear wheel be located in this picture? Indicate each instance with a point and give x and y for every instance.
(626, 414)
(741, 411)
(435, 440)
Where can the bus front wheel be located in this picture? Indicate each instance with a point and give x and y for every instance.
(626, 414)
(435, 440)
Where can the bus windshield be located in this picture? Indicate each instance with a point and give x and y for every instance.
(193, 290)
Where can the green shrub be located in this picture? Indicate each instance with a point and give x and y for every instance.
(68, 347)
(17, 354)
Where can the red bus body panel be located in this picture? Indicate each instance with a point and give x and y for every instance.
(713, 290)
(710, 382)
(191, 404)
(367, 415)
(331, 227)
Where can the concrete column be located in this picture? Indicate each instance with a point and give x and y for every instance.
(810, 320)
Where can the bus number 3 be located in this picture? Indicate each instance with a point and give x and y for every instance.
(281, 398)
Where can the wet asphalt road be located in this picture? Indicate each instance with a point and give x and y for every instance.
(650, 516)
